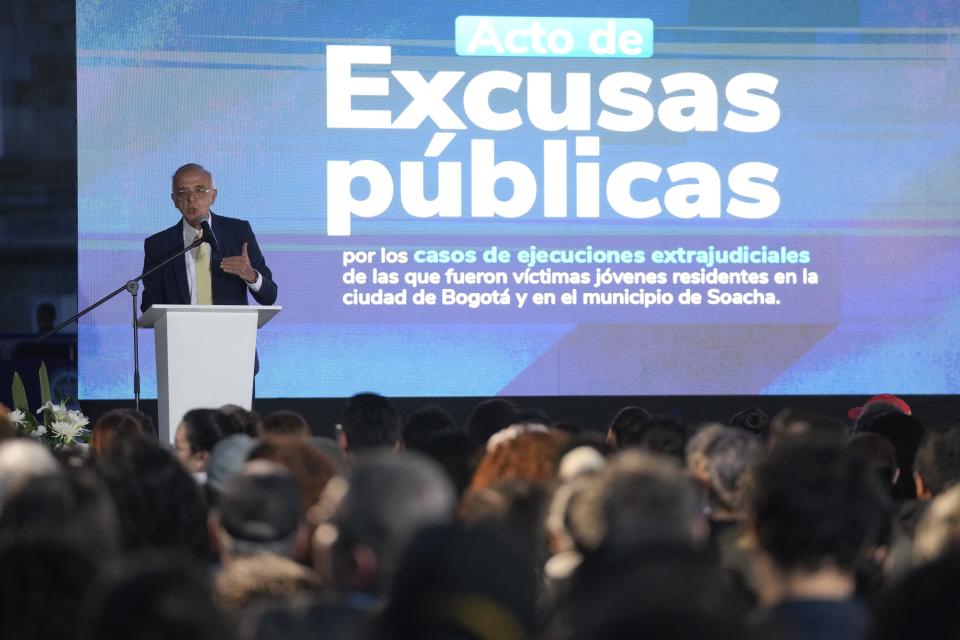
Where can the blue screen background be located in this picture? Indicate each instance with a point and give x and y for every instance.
(868, 148)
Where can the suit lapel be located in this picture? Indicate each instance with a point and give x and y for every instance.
(180, 264)
(216, 274)
(215, 256)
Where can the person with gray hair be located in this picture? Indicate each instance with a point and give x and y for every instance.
(721, 466)
(720, 459)
(22, 460)
(695, 459)
(638, 498)
(388, 499)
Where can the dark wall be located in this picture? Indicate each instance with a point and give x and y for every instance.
(38, 187)
(38, 160)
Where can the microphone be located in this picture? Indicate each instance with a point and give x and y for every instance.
(208, 236)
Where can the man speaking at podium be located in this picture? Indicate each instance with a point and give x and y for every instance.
(220, 270)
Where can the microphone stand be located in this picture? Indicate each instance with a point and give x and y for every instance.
(133, 286)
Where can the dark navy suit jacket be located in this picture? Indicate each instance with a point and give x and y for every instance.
(169, 284)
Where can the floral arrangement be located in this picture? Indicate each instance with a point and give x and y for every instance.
(58, 427)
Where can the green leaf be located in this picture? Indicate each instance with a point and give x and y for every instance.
(45, 394)
(20, 402)
(20, 395)
(44, 384)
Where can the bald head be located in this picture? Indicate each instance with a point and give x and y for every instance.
(193, 193)
(192, 167)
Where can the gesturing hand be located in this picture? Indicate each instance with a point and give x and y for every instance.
(240, 266)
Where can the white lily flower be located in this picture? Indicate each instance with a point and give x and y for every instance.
(59, 410)
(66, 432)
(77, 418)
(17, 417)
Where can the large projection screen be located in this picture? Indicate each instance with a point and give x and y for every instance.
(606, 198)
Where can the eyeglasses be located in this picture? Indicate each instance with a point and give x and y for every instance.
(199, 192)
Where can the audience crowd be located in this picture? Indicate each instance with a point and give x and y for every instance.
(514, 525)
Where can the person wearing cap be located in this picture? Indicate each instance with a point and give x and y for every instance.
(258, 513)
(890, 417)
(881, 403)
(258, 531)
(226, 460)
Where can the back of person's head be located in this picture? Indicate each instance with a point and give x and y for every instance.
(873, 412)
(638, 498)
(905, 433)
(307, 463)
(659, 434)
(334, 452)
(227, 459)
(258, 513)
(149, 426)
(583, 455)
(937, 461)
(159, 504)
(151, 598)
(21, 460)
(569, 427)
(938, 531)
(923, 604)
(520, 452)
(531, 416)
(618, 426)
(729, 458)
(115, 425)
(245, 420)
(457, 453)
(461, 583)
(369, 421)
(206, 427)
(662, 592)
(694, 459)
(791, 425)
(72, 508)
(880, 453)
(42, 584)
(571, 525)
(425, 422)
(489, 417)
(753, 420)
(8, 430)
(517, 509)
(702, 436)
(818, 505)
(876, 406)
(389, 498)
(286, 423)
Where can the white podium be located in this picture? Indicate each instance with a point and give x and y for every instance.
(205, 357)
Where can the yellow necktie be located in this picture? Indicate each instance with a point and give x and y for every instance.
(202, 269)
